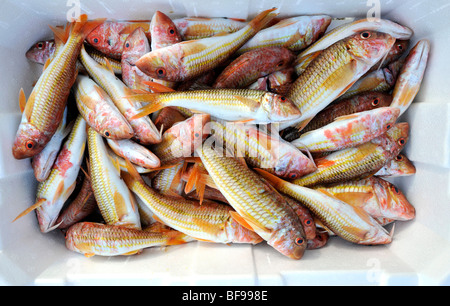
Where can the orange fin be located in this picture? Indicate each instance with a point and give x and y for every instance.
(22, 100)
(31, 208)
(132, 170)
(250, 102)
(61, 35)
(293, 39)
(84, 27)
(176, 237)
(157, 87)
(88, 101)
(148, 109)
(47, 62)
(237, 217)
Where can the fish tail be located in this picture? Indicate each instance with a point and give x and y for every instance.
(176, 237)
(262, 19)
(274, 180)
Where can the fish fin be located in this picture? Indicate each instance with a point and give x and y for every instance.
(148, 109)
(119, 203)
(250, 102)
(29, 106)
(31, 208)
(176, 237)
(300, 126)
(47, 62)
(237, 217)
(250, 221)
(22, 100)
(243, 120)
(131, 169)
(207, 180)
(262, 19)
(238, 19)
(108, 65)
(192, 179)
(273, 179)
(88, 255)
(157, 87)
(306, 60)
(354, 198)
(131, 253)
(324, 162)
(88, 101)
(293, 39)
(201, 239)
(115, 162)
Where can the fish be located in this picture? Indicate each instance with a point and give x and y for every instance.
(360, 161)
(343, 31)
(398, 166)
(52, 193)
(378, 197)
(411, 76)
(115, 201)
(134, 152)
(261, 149)
(295, 33)
(45, 106)
(349, 131)
(182, 139)
(358, 103)
(257, 205)
(45, 49)
(91, 238)
(210, 221)
(109, 38)
(323, 82)
(167, 117)
(42, 162)
(379, 80)
(348, 222)
(278, 82)
(229, 104)
(250, 66)
(319, 241)
(192, 58)
(144, 129)
(99, 111)
(191, 28)
(82, 206)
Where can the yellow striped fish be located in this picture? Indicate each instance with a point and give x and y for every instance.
(117, 204)
(210, 221)
(188, 59)
(89, 239)
(351, 223)
(335, 70)
(258, 206)
(45, 106)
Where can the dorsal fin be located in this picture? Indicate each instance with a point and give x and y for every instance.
(22, 100)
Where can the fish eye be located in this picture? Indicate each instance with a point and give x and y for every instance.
(107, 133)
(396, 190)
(299, 241)
(29, 144)
(171, 31)
(399, 158)
(293, 175)
(375, 102)
(161, 72)
(400, 47)
(197, 135)
(365, 35)
(40, 45)
(401, 141)
(280, 64)
(282, 98)
(127, 44)
(95, 40)
(388, 126)
(308, 222)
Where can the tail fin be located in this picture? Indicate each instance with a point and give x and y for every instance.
(176, 237)
(262, 19)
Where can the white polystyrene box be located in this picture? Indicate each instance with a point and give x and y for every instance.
(418, 255)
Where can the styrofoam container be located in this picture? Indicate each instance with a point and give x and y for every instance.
(418, 255)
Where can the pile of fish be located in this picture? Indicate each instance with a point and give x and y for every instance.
(273, 130)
